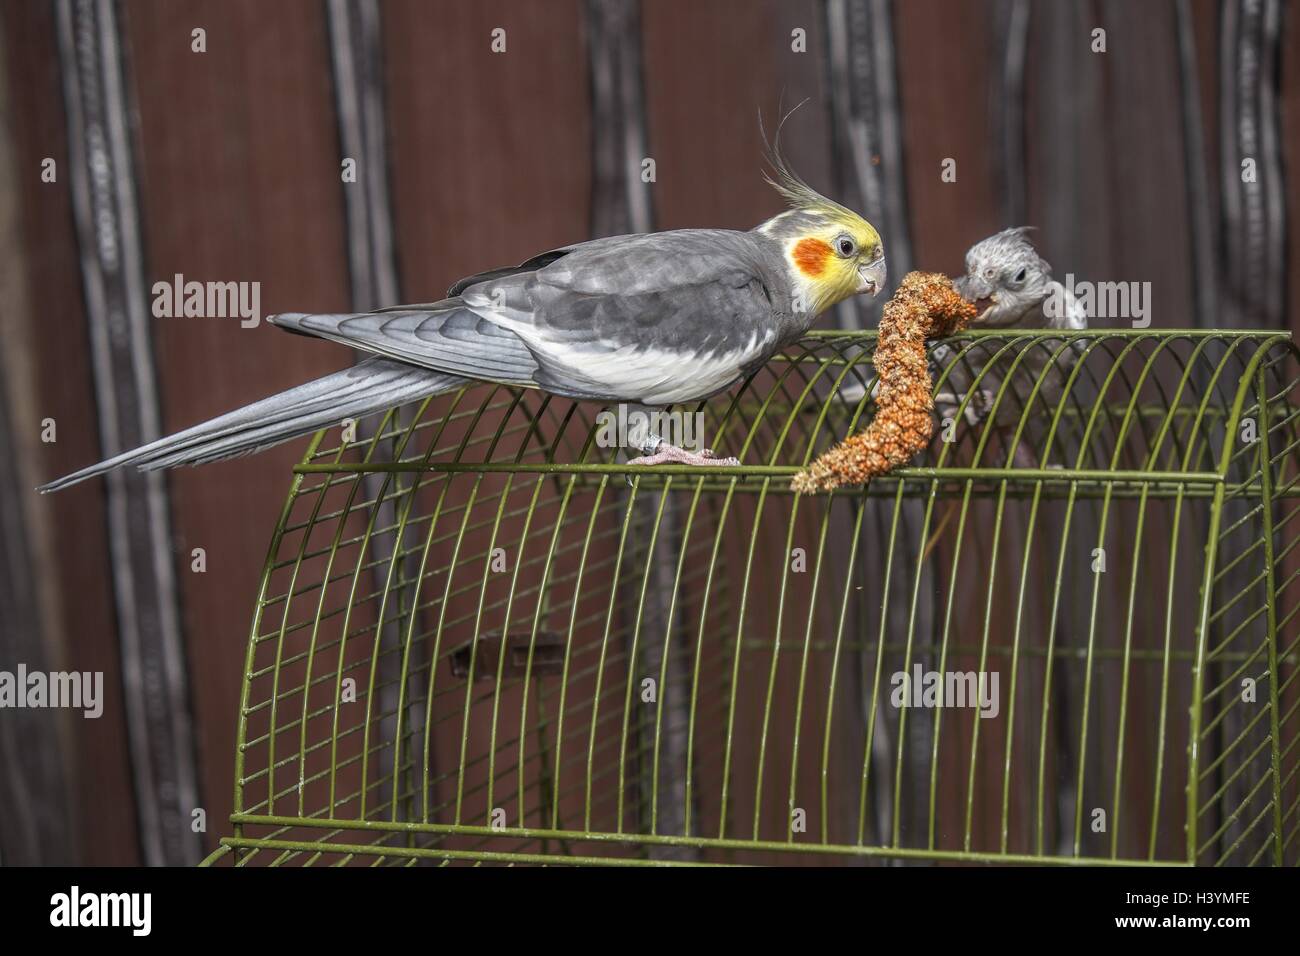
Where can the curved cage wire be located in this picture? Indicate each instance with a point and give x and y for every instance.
(483, 637)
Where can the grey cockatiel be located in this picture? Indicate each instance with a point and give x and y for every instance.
(652, 319)
(1013, 287)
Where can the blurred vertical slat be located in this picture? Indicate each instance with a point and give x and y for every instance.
(490, 159)
(1289, 96)
(945, 101)
(239, 157)
(48, 372)
(36, 757)
(1108, 192)
(711, 69)
(34, 829)
(1289, 571)
(867, 138)
(356, 50)
(489, 151)
(35, 761)
(96, 93)
(621, 203)
(1107, 188)
(620, 195)
(1252, 283)
(1010, 39)
(867, 153)
(357, 59)
(1007, 105)
(1200, 208)
(1254, 206)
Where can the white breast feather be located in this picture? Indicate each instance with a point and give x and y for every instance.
(649, 375)
(654, 376)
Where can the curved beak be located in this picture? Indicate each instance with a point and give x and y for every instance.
(975, 289)
(871, 277)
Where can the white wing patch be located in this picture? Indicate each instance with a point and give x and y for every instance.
(648, 375)
(1076, 317)
(627, 372)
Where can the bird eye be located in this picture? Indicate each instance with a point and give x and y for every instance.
(1020, 276)
(846, 246)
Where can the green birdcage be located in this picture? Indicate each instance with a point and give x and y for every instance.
(1067, 634)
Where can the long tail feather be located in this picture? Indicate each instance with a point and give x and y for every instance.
(369, 386)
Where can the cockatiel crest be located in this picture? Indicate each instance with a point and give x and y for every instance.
(831, 252)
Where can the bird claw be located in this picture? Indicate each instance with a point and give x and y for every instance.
(671, 454)
(978, 405)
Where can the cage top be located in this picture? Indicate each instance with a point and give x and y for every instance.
(391, 581)
(1162, 409)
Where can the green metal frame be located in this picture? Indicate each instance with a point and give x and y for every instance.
(510, 719)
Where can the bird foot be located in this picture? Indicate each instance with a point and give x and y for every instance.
(670, 454)
(1023, 457)
(978, 405)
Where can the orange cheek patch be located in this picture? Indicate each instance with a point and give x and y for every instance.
(810, 256)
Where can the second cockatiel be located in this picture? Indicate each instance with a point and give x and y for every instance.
(1013, 289)
(655, 319)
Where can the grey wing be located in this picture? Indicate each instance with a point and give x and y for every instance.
(663, 317)
(528, 265)
(444, 336)
(538, 261)
(658, 318)
(441, 335)
(1075, 316)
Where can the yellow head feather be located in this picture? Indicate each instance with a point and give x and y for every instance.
(826, 243)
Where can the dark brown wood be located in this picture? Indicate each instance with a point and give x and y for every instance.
(476, 189)
(241, 182)
(73, 550)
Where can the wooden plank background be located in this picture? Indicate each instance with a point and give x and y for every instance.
(236, 168)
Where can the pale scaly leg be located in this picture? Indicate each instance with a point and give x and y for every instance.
(978, 405)
(659, 452)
